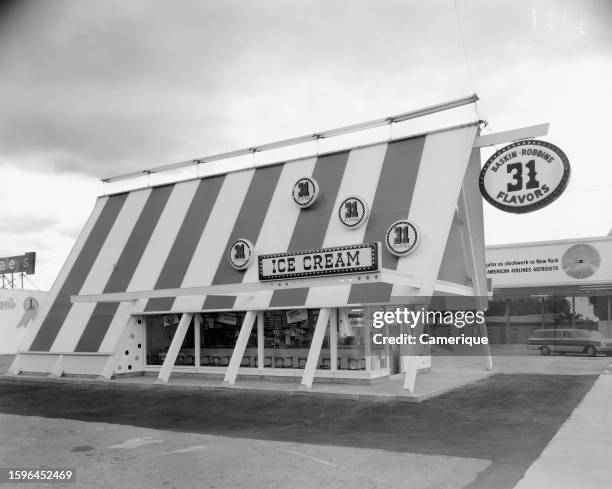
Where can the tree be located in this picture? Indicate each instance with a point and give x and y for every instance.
(522, 306)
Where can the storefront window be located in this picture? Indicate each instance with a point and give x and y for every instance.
(160, 331)
(287, 338)
(218, 335)
(352, 339)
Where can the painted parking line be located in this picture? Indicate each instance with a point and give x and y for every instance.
(136, 443)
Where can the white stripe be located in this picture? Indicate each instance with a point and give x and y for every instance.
(277, 228)
(154, 257)
(443, 165)
(33, 329)
(211, 247)
(100, 272)
(360, 177)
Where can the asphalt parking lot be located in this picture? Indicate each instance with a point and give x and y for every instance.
(516, 359)
(480, 436)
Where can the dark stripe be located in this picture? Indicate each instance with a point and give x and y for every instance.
(312, 223)
(391, 202)
(453, 267)
(78, 273)
(247, 226)
(122, 274)
(186, 241)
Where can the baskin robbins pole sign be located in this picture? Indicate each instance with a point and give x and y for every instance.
(524, 176)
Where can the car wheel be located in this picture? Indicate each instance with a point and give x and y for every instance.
(591, 351)
(544, 350)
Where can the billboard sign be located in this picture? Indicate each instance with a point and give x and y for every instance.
(18, 264)
(550, 263)
(18, 309)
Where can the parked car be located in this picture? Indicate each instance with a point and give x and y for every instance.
(563, 341)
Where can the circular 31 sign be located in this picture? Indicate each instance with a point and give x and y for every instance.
(353, 212)
(524, 176)
(402, 237)
(305, 192)
(241, 254)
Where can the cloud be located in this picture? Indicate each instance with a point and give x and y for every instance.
(108, 87)
(91, 89)
(25, 223)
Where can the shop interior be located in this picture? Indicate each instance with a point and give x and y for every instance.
(287, 336)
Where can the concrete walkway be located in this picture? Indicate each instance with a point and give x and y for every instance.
(579, 454)
(434, 383)
(428, 385)
(449, 374)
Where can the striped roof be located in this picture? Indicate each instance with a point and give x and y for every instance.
(178, 235)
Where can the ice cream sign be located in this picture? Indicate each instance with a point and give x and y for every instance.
(524, 176)
(326, 261)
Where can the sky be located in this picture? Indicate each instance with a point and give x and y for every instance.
(90, 89)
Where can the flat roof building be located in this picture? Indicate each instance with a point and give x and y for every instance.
(549, 284)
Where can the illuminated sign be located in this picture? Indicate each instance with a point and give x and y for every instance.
(18, 264)
(524, 176)
(326, 261)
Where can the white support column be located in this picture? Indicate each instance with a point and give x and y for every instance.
(368, 347)
(173, 351)
(333, 340)
(315, 348)
(197, 321)
(480, 288)
(345, 324)
(387, 349)
(411, 366)
(260, 340)
(241, 343)
(15, 368)
(486, 348)
(58, 369)
(113, 360)
(410, 360)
